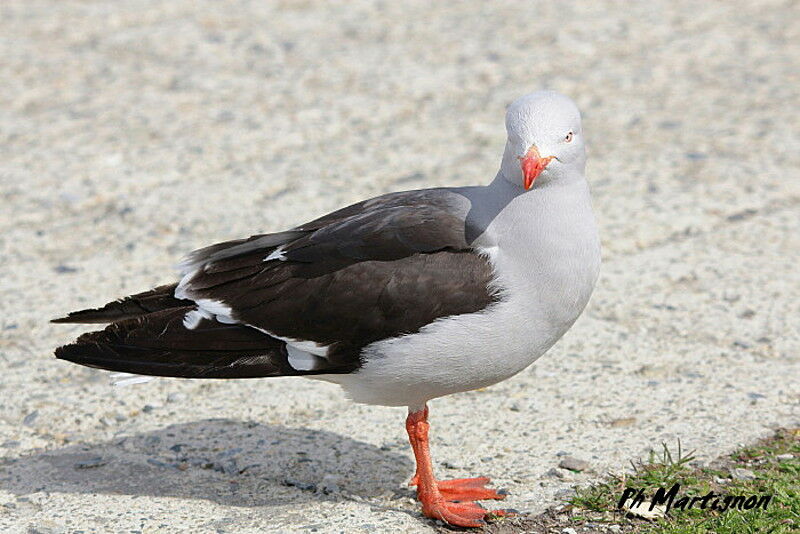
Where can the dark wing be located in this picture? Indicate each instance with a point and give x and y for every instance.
(374, 270)
(377, 269)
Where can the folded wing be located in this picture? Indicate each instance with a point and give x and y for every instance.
(316, 294)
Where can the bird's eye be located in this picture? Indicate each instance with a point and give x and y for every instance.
(568, 138)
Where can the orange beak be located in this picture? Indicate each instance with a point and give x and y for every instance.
(532, 166)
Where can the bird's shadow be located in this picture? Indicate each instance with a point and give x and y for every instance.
(230, 462)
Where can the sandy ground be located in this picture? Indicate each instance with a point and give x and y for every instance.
(133, 132)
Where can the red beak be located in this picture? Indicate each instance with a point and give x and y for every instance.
(532, 166)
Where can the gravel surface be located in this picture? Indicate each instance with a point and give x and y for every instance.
(131, 133)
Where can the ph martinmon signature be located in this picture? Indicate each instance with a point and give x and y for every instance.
(634, 498)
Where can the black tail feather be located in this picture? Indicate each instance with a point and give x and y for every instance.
(157, 299)
(158, 344)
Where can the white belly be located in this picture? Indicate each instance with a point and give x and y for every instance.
(448, 356)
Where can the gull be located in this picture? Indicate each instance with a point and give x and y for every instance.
(399, 299)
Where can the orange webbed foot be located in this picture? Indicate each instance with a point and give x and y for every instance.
(466, 489)
(459, 514)
(469, 489)
(453, 503)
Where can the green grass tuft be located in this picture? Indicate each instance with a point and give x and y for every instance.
(779, 478)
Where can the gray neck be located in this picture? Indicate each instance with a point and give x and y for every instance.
(486, 202)
(509, 165)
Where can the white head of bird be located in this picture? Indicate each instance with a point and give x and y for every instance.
(545, 140)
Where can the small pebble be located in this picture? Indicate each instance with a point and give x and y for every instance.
(784, 457)
(176, 397)
(553, 472)
(230, 452)
(47, 527)
(30, 418)
(90, 463)
(565, 494)
(574, 464)
(622, 422)
(696, 155)
(740, 473)
(229, 467)
(569, 530)
(742, 215)
(329, 484)
(305, 486)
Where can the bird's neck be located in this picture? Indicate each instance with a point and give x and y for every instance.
(503, 209)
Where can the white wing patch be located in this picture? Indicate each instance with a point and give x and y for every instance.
(301, 360)
(180, 291)
(214, 307)
(208, 309)
(193, 318)
(303, 355)
(312, 347)
(276, 254)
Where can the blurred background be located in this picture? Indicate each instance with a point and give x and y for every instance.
(133, 132)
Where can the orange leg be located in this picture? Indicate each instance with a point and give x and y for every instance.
(448, 500)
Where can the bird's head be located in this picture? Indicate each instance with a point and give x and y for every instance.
(545, 139)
